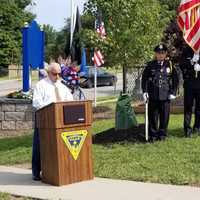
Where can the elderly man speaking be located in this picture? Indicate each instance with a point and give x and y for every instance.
(47, 91)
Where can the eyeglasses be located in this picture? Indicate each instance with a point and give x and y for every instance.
(56, 74)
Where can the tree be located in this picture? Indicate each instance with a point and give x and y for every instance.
(50, 42)
(12, 18)
(173, 36)
(133, 29)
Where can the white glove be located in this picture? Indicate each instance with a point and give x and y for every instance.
(197, 67)
(145, 96)
(172, 97)
(195, 58)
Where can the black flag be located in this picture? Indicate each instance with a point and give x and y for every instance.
(75, 50)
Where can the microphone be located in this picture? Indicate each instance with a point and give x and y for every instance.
(64, 82)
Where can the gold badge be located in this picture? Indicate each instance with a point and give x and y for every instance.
(168, 70)
(74, 140)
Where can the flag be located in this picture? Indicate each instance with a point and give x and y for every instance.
(83, 69)
(100, 29)
(189, 22)
(73, 47)
(98, 58)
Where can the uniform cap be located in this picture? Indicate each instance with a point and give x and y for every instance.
(160, 48)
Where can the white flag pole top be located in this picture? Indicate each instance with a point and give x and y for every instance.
(73, 20)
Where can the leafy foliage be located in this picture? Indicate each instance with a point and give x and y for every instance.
(12, 18)
(133, 29)
(20, 95)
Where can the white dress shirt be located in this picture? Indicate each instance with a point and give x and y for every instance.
(44, 93)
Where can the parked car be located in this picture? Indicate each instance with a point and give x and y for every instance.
(103, 78)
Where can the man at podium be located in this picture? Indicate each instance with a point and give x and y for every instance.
(47, 91)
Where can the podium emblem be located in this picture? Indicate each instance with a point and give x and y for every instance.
(74, 140)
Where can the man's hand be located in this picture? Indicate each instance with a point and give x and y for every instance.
(172, 97)
(197, 67)
(145, 97)
(195, 58)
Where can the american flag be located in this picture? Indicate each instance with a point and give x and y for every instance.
(98, 56)
(189, 22)
(100, 28)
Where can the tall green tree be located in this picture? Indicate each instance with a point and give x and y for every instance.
(50, 42)
(12, 18)
(133, 27)
(172, 35)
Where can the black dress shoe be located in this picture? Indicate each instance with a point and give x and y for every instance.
(36, 178)
(188, 133)
(153, 139)
(162, 138)
(196, 130)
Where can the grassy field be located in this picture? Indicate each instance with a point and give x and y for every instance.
(5, 196)
(174, 161)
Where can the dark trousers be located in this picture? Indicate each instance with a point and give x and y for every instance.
(36, 163)
(158, 118)
(191, 96)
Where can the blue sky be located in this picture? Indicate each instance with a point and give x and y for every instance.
(53, 12)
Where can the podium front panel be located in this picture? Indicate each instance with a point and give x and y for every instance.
(74, 114)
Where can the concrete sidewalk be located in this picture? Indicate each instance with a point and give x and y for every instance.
(18, 181)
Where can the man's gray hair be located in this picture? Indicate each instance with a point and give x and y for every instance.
(52, 66)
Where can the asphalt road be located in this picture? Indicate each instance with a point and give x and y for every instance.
(8, 86)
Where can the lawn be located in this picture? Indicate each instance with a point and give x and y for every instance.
(5, 196)
(174, 161)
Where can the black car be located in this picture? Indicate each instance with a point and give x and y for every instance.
(103, 78)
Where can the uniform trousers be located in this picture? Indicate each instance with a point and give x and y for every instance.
(191, 98)
(158, 113)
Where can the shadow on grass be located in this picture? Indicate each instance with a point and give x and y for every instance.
(178, 133)
(135, 134)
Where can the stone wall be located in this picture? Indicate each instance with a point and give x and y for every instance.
(16, 114)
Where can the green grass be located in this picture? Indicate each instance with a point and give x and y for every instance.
(99, 99)
(174, 161)
(15, 150)
(5, 196)
(3, 78)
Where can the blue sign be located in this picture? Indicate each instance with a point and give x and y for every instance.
(33, 51)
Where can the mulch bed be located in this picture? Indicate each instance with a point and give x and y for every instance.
(135, 134)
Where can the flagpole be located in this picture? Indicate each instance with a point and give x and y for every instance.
(72, 22)
(95, 85)
(95, 76)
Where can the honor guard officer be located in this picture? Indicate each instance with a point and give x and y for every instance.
(159, 85)
(190, 67)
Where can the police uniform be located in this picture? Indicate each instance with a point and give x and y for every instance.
(159, 80)
(191, 91)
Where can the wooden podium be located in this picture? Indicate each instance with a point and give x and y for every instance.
(62, 128)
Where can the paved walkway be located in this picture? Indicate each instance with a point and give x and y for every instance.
(18, 181)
